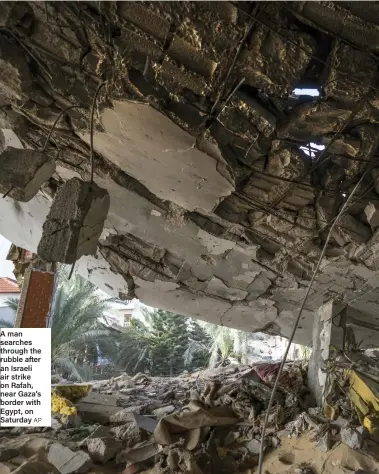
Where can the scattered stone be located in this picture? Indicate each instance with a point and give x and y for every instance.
(34, 446)
(67, 461)
(231, 437)
(146, 423)
(131, 433)
(254, 446)
(325, 443)
(18, 460)
(352, 438)
(103, 450)
(98, 408)
(372, 215)
(7, 453)
(275, 442)
(163, 411)
(125, 415)
(75, 222)
(341, 422)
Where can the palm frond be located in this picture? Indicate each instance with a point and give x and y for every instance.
(5, 324)
(12, 302)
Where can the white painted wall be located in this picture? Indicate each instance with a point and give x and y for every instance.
(118, 311)
(6, 267)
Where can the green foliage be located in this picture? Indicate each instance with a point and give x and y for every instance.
(5, 324)
(226, 343)
(79, 335)
(166, 345)
(12, 302)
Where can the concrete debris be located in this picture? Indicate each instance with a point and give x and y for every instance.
(75, 222)
(103, 450)
(163, 411)
(67, 461)
(352, 437)
(22, 172)
(208, 421)
(372, 214)
(325, 443)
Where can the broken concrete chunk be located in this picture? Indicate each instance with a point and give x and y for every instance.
(125, 415)
(22, 172)
(163, 411)
(67, 461)
(146, 423)
(372, 214)
(352, 438)
(325, 443)
(103, 450)
(254, 446)
(75, 222)
(7, 453)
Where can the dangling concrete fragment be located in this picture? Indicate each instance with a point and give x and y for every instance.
(75, 222)
(24, 171)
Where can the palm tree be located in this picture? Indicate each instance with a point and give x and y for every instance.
(5, 324)
(12, 302)
(79, 334)
(225, 343)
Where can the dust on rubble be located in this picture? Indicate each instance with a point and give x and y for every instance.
(303, 451)
(199, 423)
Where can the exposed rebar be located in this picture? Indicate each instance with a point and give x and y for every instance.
(260, 465)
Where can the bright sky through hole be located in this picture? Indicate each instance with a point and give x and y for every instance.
(311, 153)
(312, 92)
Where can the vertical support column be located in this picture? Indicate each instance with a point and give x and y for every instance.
(35, 300)
(326, 331)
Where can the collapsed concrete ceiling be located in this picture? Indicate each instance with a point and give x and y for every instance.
(221, 191)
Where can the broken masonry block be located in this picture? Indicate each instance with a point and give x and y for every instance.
(22, 172)
(372, 215)
(75, 222)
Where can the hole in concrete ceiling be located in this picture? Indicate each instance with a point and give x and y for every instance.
(310, 149)
(298, 92)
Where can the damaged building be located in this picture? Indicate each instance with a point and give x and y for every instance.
(223, 175)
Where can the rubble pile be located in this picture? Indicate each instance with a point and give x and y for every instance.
(204, 422)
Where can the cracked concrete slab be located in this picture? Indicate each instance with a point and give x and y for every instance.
(152, 149)
(216, 210)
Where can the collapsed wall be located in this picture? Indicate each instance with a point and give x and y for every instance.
(220, 200)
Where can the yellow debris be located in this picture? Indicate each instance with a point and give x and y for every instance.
(364, 393)
(61, 406)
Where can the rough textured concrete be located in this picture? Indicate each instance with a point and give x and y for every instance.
(75, 222)
(325, 333)
(22, 172)
(215, 210)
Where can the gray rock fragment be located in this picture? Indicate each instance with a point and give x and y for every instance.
(7, 453)
(75, 222)
(22, 172)
(67, 461)
(325, 443)
(125, 415)
(352, 438)
(103, 450)
(372, 215)
(163, 411)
